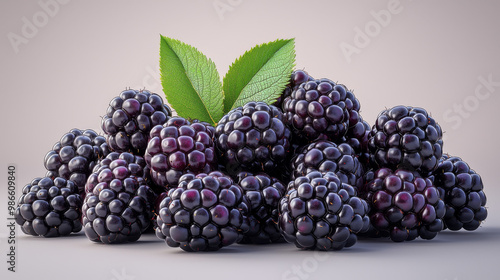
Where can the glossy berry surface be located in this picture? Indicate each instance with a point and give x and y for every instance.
(180, 147)
(326, 156)
(461, 189)
(49, 207)
(296, 78)
(204, 213)
(320, 109)
(74, 156)
(408, 138)
(322, 213)
(403, 205)
(357, 137)
(118, 205)
(263, 194)
(253, 138)
(130, 117)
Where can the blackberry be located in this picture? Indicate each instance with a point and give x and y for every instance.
(75, 155)
(326, 156)
(49, 207)
(130, 117)
(205, 213)
(263, 194)
(253, 138)
(407, 138)
(357, 137)
(118, 206)
(296, 78)
(180, 147)
(320, 212)
(461, 189)
(320, 109)
(403, 205)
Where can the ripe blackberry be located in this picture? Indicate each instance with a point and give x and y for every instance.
(407, 138)
(129, 118)
(49, 207)
(403, 205)
(320, 109)
(253, 138)
(326, 156)
(320, 212)
(118, 205)
(180, 147)
(205, 213)
(263, 194)
(461, 189)
(296, 78)
(75, 155)
(357, 137)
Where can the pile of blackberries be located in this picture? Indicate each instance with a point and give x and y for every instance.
(307, 169)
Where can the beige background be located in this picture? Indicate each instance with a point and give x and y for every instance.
(78, 55)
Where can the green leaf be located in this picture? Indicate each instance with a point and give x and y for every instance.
(190, 81)
(260, 74)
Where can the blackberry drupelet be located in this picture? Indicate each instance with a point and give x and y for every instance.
(118, 206)
(407, 138)
(357, 136)
(49, 207)
(403, 205)
(180, 147)
(263, 194)
(253, 138)
(320, 109)
(326, 156)
(296, 78)
(320, 212)
(75, 155)
(461, 189)
(205, 213)
(130, 117)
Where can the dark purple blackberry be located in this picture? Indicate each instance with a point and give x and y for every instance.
(296, 78)
(320, 109)
(403, 205)
(49, 207)
(357, 137)
(461, 189)
(130, 117)
(326, 156)
(118, 205)
(205, 213)
(75, 155)
(253, 138)
(180, 147)
(263, 194)
(406, 138)
(319, 212)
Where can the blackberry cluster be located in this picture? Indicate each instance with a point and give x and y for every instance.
(180, 147)
(357, 137)
(205, 213)
(320, 212)
(75, 156)
(118, 206)
(263, 194)
(49, 207)
(404, 205)
(320, 109)
(253, 138)
(296, 78)
(461, 189)
(408, 138)
(326, 156)
(130, 117)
